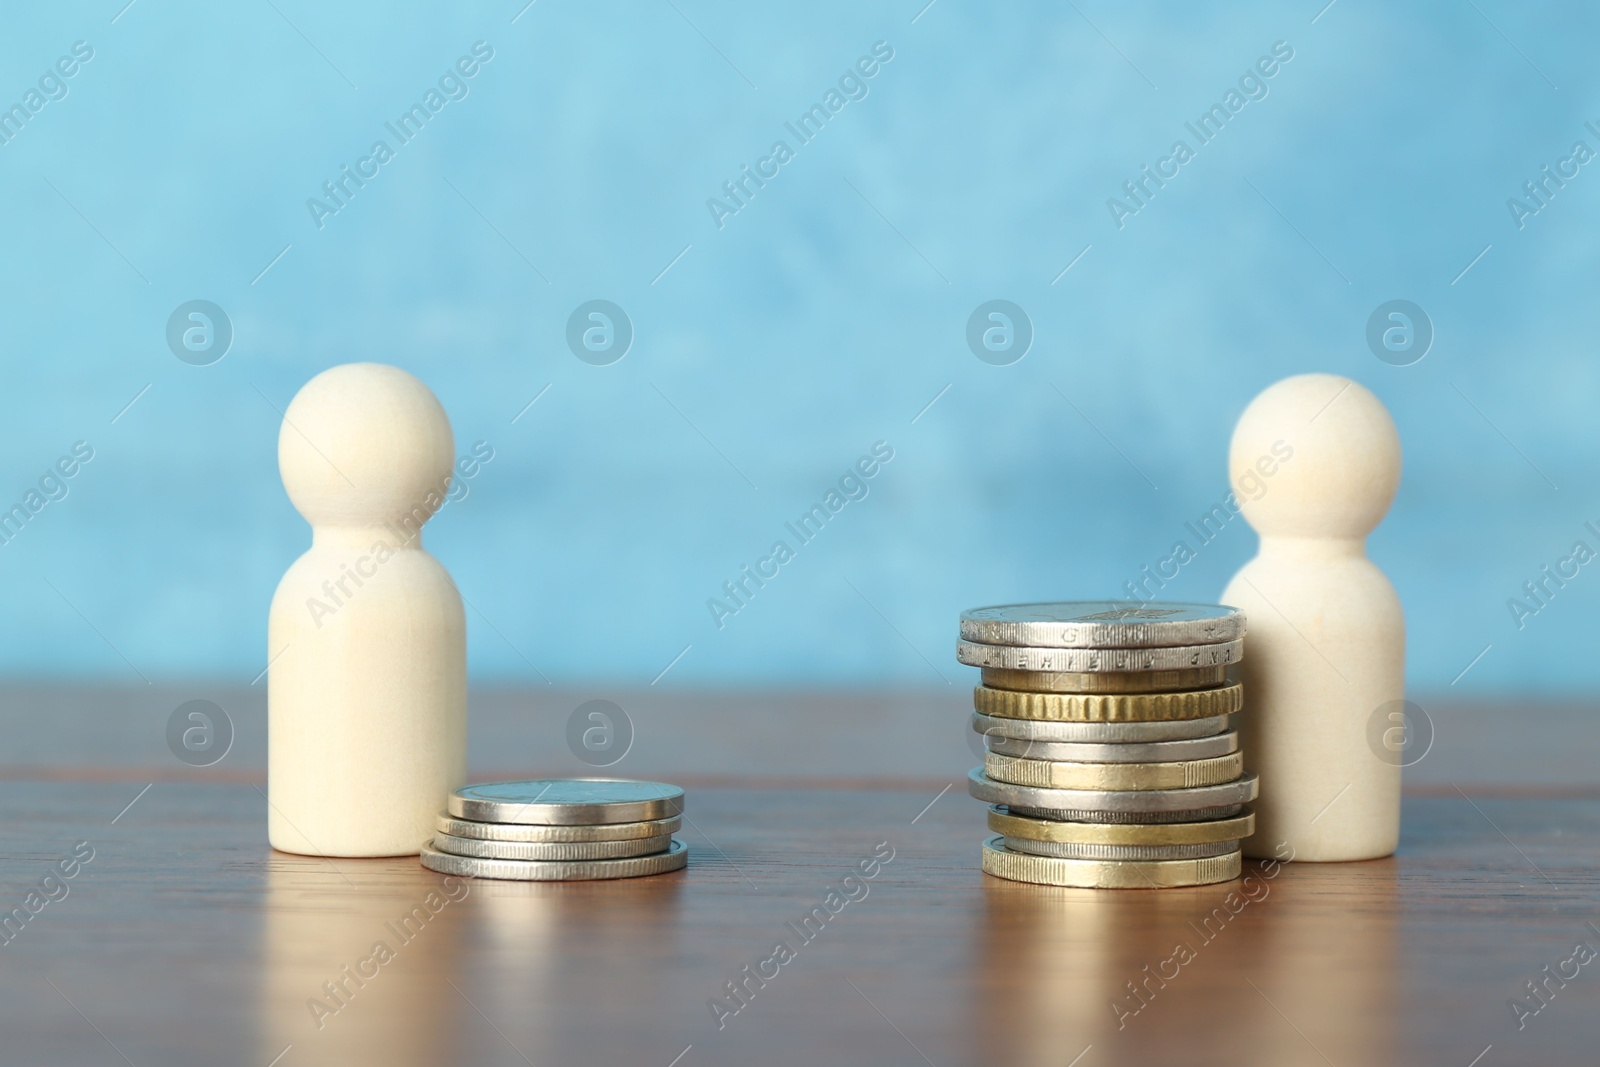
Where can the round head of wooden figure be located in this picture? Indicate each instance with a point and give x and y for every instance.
(364, 445)
(1315, 456)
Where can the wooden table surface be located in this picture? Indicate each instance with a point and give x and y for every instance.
(185, 939)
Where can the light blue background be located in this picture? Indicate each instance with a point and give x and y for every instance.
(822, 318)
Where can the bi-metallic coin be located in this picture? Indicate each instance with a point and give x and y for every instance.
(1129, 818)
(1013, 824)
(1107, 874)
(1149, 752)
(994, 726)
(1141, 777)
(1104, 681)
(1101, 801)
(1069, 850)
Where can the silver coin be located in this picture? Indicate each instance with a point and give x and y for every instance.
(1103, 624)
(567, 801)
(1127, 818)
(510, 831)
(550, 850)
(1241, 790)
(675, 858)
(1096, 660)
(1098, 732)
(1122, 752)
(1074, 850)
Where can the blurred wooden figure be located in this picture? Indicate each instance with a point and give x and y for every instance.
(1325, 654)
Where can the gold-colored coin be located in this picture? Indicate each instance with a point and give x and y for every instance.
(1108, 707)
(1001, 821)
(1130, 853)
(1107, 874)
(1104, 681)
(1055, 774)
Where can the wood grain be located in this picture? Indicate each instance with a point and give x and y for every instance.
(185, 940)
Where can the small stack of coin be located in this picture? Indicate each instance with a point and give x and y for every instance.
(1110, 761)
(560, 830)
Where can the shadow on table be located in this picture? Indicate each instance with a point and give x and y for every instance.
(1271, 970)
(381, 961)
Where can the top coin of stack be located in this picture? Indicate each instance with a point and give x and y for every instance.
(1110, 762)
(559, 830)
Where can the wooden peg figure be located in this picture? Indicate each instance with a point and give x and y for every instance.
(367, 691)
(1325, 651)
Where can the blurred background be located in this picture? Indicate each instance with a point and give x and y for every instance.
(758, 335)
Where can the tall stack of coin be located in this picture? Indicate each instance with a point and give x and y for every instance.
(560, 830)
(1110, 760)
